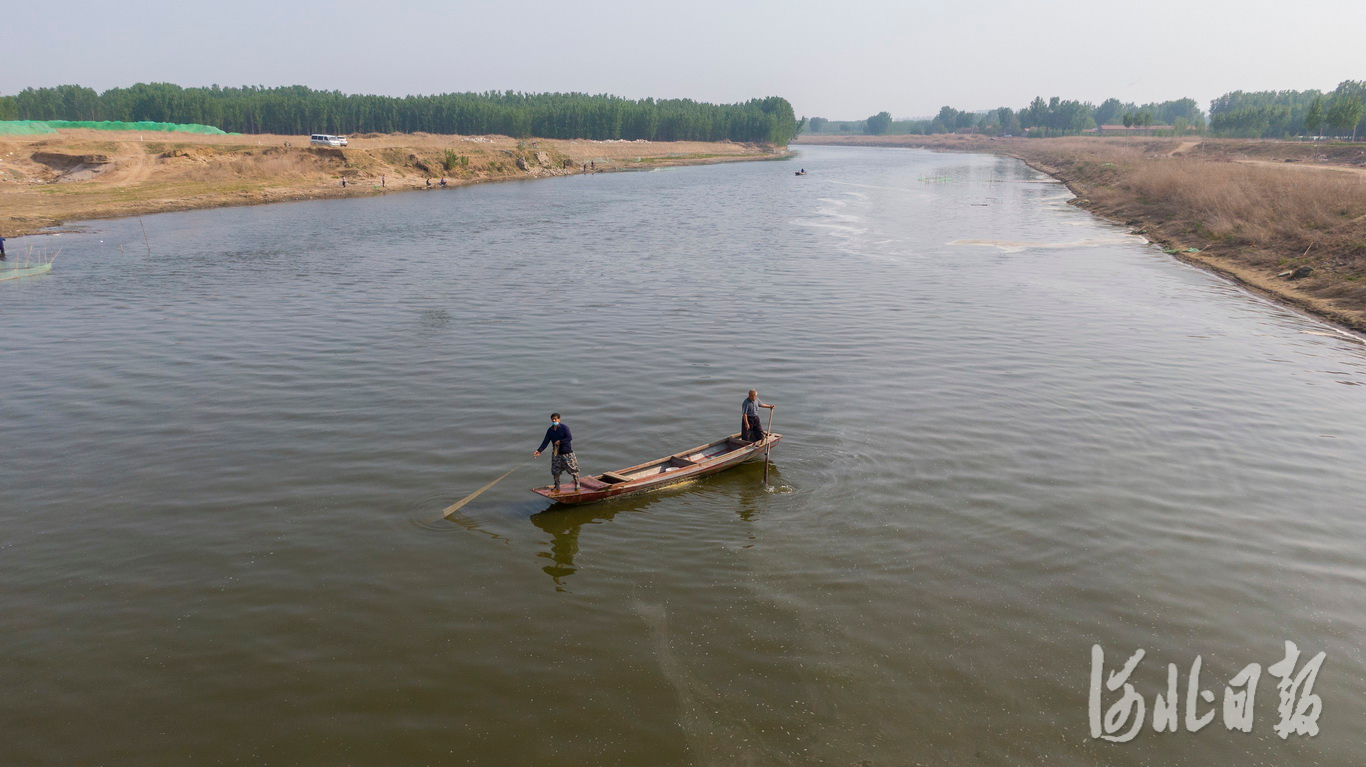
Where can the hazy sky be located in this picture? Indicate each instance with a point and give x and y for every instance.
(840, 60)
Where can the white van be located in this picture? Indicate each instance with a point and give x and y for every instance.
(323, 139)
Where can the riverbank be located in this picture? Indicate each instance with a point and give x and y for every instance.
(86, 174)
(1286, 219)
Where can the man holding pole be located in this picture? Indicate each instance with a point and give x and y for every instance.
(562, 458)
(751, 428)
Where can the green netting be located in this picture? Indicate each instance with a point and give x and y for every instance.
(26, 127)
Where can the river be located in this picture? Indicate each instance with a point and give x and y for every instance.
(1013, 433)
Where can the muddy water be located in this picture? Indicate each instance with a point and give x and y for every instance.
(1013, 433)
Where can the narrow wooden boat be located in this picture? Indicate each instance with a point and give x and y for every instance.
(14, 273)
(688, 465)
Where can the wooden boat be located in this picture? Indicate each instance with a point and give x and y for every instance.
(688, 465)
(16, 272)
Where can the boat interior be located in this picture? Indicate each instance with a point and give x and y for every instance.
(676, 462)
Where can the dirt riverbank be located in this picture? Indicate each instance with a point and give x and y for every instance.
(1286, 219)
(75, 175)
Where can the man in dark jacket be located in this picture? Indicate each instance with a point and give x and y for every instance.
(562, 458)
(751, 428)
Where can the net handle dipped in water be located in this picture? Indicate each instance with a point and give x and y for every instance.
(460, 503)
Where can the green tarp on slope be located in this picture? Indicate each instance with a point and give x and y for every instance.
(33, 127)
(24, 128)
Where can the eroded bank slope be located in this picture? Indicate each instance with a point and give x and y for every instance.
(84, 174)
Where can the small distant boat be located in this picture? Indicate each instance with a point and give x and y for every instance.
(16, 272)
(700, 461)
(801, 172)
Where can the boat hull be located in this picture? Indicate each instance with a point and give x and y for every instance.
(695, 463)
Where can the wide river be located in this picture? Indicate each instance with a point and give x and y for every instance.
(1012, 432)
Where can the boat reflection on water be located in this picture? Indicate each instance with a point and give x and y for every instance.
(563, 522)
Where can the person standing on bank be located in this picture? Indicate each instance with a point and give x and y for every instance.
(562, 458)
(751, 428)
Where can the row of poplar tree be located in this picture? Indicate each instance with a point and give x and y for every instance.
(1246, 114)
(296, 110)
(1051, 117)
(1260, 114)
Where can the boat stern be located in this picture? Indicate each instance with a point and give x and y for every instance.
(769, 444)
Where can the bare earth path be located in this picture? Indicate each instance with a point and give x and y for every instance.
(1305, 166)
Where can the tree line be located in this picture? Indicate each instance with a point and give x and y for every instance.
(1263, 114)
(1052, 117)
(294, 110)
(1277, 114)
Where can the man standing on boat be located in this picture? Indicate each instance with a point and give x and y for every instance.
(562, 458)
(751, 428)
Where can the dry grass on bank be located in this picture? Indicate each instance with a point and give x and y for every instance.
(1219, 198)
(1252, 205)
(1266, 216)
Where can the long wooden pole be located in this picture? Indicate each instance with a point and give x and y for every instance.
(768, 441)
(145, 241)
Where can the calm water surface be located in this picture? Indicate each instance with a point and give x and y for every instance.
(1012, 432)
